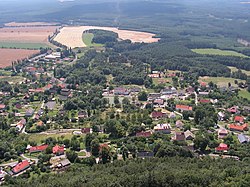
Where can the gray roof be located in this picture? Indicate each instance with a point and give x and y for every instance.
(242, 138)
(65, 162)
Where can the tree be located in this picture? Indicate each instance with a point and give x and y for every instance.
(71, 155)
(142, 96)
(105, 155)
(95, 145)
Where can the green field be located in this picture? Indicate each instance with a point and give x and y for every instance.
(234, 69)
(12, 79)
(209, 51)
(220, 81)
(23, 45)
(87, 39)
(39, 137)
(244, 94)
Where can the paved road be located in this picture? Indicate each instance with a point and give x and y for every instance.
(9, 164)
(29, 159)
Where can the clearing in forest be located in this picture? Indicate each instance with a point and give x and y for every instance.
(210, 51)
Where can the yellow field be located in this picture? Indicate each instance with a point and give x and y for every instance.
(72, 36)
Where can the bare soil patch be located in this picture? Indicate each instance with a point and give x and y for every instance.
(29, 24)
(7, 56)
(26, 34)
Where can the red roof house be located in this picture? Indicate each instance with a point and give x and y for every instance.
(2, 106)
(233, 109)
(184, 108)
(222, 147)
(58, 150)
(21, 166)
(238, 119)
(205, 101)
(143, 134)
(39, 148)
(240, 128)
(158, 115)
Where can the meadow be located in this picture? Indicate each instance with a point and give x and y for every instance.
(209, 51)
(18, 45)
(244, 94)
(220, 81)
(87, 40)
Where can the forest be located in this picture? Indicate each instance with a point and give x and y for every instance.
(149, 172)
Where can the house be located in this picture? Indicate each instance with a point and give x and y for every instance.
(2, 174)
(21, 167)
(63, 163)
(135, 90)
(58, 150)
(179, 136)
(145, 154)
(87, 130)
(20, 125)
(39, 148)
(189, 135)
(246, 109)
(121, 91)
(221, 116)
(222, 147)
(29, 112)
(183, 108)
(172, 115)
(18, 106)
(2, 107)
(179, 124)
(238, 119)
(242, 138)
(240, 128)
(153, 96)
(50, 105)
(143, 134)
(158, 102)
(158, 115)
(155, 75)
(39, 123)
(203, 94)
(82, 115)
(205, 101)
(65, 92)
(169, 91)
(222, 133)
(233, 109)
(162, 128)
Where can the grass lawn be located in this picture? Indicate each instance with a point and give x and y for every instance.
(39, 137)
(4, 73)
(82, 154)
(220, 81)
(209, 51)
(87, 39)
(23, 45)
(234, 69)
(244, 94)
(165, 81)
(12, 80)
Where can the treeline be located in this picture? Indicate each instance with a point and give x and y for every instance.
(173, 171)
(103, 36)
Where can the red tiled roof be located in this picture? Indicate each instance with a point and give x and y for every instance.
(238, 119)
(204, 101)
(2, 106)
(238, 127)
(156, 114)
(222, 147)
(143, 134)
(58, 149)
(184, 107)
(21, 166)
(38, 148)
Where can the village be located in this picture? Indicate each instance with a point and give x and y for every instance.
(40, 109)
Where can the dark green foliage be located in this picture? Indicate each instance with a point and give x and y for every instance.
(102, 36)
(150, 172)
